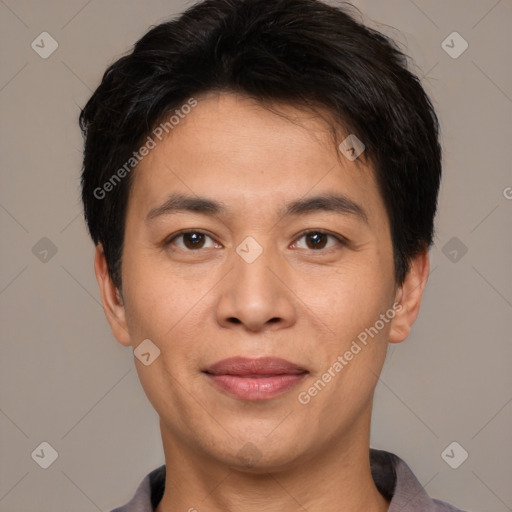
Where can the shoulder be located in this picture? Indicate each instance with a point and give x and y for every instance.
(442, 506)
(148, 493)
(396, 481)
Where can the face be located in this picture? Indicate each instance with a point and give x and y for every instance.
(251, 236)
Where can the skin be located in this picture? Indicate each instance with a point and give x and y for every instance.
(295, 301)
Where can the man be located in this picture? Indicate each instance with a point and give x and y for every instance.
(260, 180)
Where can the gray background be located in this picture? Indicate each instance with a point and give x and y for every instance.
(66, 381)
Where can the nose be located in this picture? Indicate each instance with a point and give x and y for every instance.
(255, 296)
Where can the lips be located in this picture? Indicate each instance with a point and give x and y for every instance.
(264, 366)
(254, 379)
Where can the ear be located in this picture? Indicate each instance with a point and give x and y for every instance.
(408, 298)
(111, 298)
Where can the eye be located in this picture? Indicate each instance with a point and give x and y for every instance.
(191, 240)
(317, 240)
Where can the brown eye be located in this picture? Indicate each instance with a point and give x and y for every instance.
(191, 240)
(317, 240)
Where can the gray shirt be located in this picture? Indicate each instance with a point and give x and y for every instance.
(393, 478)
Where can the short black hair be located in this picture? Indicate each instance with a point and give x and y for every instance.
(303, 53)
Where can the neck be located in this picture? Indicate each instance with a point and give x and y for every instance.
(337, 478)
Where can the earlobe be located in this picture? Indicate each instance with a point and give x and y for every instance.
(408, 298)
(111, 298)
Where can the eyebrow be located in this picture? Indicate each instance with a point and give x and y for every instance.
(335, 203)
(177, 202)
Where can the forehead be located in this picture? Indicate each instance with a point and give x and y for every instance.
(232, 147)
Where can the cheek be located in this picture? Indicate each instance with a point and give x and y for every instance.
(158, 293)
(349, 298)
(351, 357)
(151, 299)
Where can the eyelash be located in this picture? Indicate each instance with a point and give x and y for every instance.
(340, 239)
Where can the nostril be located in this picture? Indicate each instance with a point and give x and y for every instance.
(234, 320)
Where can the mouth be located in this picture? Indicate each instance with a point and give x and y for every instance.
(254, 379)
